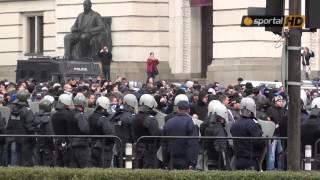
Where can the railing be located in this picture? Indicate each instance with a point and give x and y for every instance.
(128, 153)
(203, 140)
(5, 151)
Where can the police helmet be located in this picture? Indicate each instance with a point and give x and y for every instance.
(45, 105)
(131, 100)
(23, 95)
(220, 110)
(80, 100)
(103, 102)
(315, 103)
(180, 97)
(247, 107)
(148, 100)
(49, 98)
(211, 105)
(65, 99)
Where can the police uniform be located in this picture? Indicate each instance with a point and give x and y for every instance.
(102, 150)
(45, 146)
(246, 151)
(80, 151)
(60, 121)
(20, 122)
(180, 153)
(122, 121)
(145, 124)
(310, 133)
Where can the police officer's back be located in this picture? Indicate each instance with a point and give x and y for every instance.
(247, 152)
(310, 129)
(145, 124)
(80, 154)
(180, 153)
(218, 150)
(20, 122)
(60, 122)
(45, 146)
(122, 121)
(100, 124)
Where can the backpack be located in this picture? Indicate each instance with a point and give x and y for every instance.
(217, 129)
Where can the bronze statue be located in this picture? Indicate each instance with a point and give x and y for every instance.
(88, 35)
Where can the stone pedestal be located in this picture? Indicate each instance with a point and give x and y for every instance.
(227, 71)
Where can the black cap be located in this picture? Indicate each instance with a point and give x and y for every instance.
(183, 105)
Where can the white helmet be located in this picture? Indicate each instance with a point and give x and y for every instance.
(212, 105)
(131, 100)
(49, 98)
(148, 100)
(103, 102)
(65, 99)
(247, 107)
(315, 103)
(80, 100)
(180, 97)
(220, 110)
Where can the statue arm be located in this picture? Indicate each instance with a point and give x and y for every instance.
(100, 27)
(74, 27)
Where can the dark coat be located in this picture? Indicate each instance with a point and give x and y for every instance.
(247, 127)
(106, 58)
(184, 153)
(306, 58)
(277, 115)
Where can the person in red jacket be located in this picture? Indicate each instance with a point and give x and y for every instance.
(152, 70)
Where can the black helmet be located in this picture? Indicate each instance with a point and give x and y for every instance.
(45, 105)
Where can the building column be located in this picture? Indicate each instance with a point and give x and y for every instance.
(185, 38)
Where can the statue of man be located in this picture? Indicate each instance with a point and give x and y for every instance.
(87, 27)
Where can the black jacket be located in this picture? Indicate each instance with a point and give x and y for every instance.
(61, 120)
(106, 58)
(144, 124)
(277, 115)
(21, 120)
(183, 152)
(247, 127)
(100, 124)
(306, 58)
(122, 121)
(79, 126)
(310, 132)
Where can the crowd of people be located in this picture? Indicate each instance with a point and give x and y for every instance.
(131, 109)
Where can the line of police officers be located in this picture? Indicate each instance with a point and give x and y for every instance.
(130, 121)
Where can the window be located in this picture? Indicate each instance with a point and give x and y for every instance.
(34, 35)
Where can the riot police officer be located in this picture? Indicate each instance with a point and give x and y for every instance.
(180, 153)
(310, 129)
(122, 121)
(80, 151)
(100, 124)
(215, 125)
(145, 124)
(60, 121)
(45, 146)
(246, 151)
(20, 122)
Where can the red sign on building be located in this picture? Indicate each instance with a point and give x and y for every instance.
(200, 3)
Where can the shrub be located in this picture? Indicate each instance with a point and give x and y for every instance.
(39, 173)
